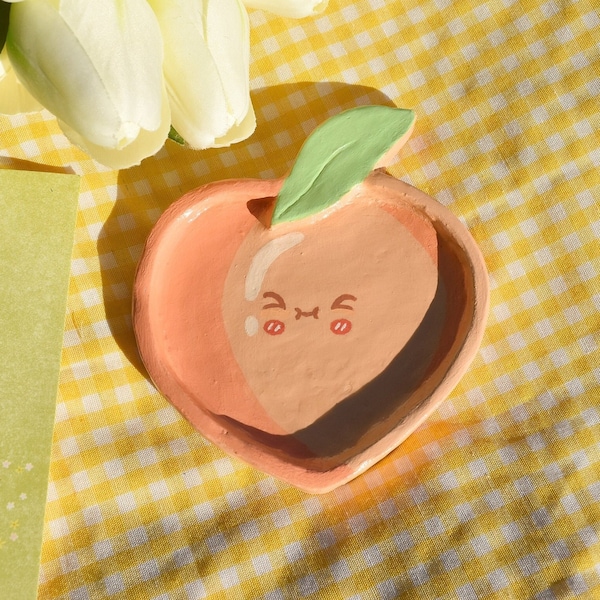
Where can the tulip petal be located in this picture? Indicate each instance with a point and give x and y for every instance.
(228, 39)
(239, 132)
(206, 45)
(82, 61)
(146, 144)
(14, 98)
(289, 8)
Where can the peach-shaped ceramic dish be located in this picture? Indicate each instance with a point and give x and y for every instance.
(312, 347)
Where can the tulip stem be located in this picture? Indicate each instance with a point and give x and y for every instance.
(4, 11)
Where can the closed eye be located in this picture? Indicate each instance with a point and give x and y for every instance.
(279, 301)
(340, 302)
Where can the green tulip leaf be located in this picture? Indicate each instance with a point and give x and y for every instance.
(338, 155)
(175, 136)
(4, 10)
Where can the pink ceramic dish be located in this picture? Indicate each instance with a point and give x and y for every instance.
(310, 348)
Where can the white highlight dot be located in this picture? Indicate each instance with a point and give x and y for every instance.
(251, 326)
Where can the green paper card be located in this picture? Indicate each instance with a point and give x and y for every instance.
(37, 223)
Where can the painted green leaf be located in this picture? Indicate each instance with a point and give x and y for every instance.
(339, 154)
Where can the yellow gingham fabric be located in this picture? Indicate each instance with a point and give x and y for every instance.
(498, 494)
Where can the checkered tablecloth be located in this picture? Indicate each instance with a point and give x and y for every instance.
(498, 494)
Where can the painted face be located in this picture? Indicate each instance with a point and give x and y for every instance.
(274, 326)
(314, 315)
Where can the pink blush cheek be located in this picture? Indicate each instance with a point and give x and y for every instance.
(341, 326)
(274, 327)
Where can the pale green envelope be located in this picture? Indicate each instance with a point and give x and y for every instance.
(37, 223)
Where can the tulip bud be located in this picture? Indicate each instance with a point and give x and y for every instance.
(206, 69)
(97, 66)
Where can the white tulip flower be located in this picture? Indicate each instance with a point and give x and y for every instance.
(97, 66)
(118, 74)
(206, 68)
